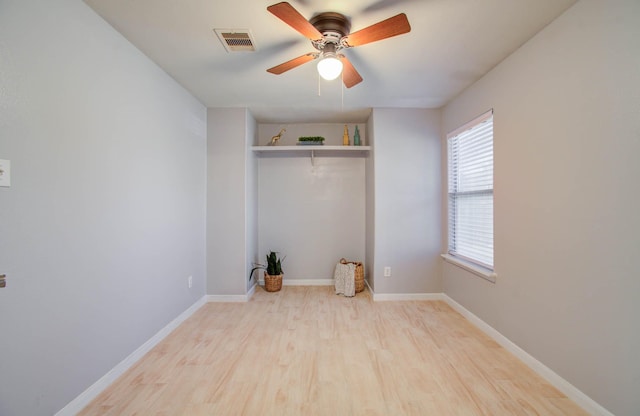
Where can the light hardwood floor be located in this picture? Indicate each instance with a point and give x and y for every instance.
(307, 351)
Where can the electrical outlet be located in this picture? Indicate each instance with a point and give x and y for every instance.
(387, 271)
(190, 281)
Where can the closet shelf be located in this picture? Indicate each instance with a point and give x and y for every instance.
(305, 151)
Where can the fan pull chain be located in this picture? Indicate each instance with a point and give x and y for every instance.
(342, 91)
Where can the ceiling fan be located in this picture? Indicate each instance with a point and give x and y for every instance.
(329, 33)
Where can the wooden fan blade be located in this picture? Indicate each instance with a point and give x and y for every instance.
(393, 26)
(284, 67)
(285, 12)
(350, 76)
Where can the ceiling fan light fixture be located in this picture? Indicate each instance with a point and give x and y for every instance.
(329, 33)
(330, 67)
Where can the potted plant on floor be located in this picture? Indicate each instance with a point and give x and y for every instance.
(273, 272)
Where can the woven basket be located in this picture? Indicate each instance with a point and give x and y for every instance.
(272, 283)
(358, 275)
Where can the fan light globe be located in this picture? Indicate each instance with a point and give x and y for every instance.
(330, 68)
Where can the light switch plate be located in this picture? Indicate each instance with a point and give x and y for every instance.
(5, 172)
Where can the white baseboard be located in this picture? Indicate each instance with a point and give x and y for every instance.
(233, 298)
(251, 291)
(228, 298)
(568, 389)
(407, 296)
(308, 282)
(403, 296)
(304, 282)
(80, 402)
(366, 282)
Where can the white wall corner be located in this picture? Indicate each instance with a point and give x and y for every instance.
(568, 389)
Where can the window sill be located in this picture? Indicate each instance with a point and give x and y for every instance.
(483, 272)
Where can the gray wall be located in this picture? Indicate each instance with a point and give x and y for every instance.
(251, 195)
(105, 218)
(227, 202)
(370, 206)
(567, 140)
(407, 230)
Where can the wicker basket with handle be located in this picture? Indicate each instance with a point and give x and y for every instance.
(358, 275)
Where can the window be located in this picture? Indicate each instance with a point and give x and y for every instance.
(470, 162)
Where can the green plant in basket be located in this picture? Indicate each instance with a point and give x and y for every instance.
(274, 264)
(273, 272)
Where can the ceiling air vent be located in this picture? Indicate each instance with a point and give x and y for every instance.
(236, 40)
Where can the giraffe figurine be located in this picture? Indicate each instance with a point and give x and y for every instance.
(274, 139)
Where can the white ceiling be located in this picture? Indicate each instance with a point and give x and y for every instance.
(452, 43)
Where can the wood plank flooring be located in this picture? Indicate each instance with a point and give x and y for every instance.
(306, 351)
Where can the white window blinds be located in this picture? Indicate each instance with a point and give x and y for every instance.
(470, 152)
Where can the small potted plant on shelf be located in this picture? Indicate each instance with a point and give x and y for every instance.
(273, 272)
(311, 140)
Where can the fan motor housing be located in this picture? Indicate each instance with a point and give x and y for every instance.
(331, 23)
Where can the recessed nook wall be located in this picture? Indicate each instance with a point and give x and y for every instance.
(312, 213)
